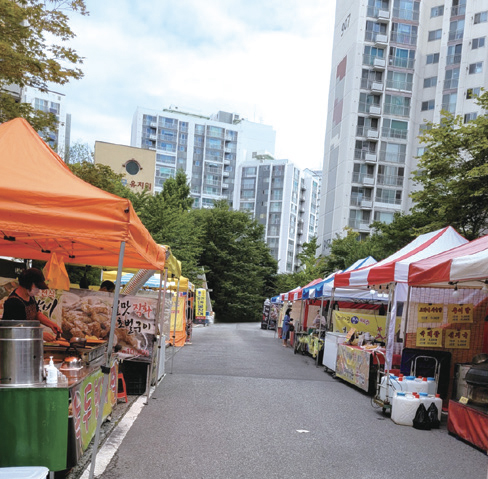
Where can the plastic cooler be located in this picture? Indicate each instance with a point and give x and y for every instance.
(23, 472)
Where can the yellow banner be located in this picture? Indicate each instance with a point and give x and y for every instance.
(366, 323)
(200, 303)
(430, 313)
(429, 337)
(458, 339)
(460, 313)
(180, 316)
(353, 365)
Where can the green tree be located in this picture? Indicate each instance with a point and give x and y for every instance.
(34, 51)
(453, 174)
(240, 268)
(169, 219)
(79, 152)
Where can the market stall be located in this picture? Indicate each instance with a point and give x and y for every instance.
(45, 209)
(448, 313)
(391, 274)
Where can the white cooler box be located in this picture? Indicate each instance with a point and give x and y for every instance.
(332, 340)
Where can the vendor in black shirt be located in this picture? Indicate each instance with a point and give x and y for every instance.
(21, 304)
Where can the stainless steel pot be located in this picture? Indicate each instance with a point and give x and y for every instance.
(21, 353)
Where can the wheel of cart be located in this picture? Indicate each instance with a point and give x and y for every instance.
(379, 400)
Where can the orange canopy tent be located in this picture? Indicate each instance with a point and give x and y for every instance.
(44, 208)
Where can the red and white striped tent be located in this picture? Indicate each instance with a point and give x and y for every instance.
(290, 295)
(467, 264)
(394, 269)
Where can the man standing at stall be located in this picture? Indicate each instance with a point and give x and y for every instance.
(21, 305)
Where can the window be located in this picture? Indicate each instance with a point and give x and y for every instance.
(389, 196)
(454, 54)
(132, 167)
(373, 29)
(399, 81)
(480, 17)
(478, 43)
(435, 35)
(470, 116)
(249, 171)
(437, 11)
(404, 33)
(430, 82)
(366, 101)
(428, 105)
(401, 57)
(370, 53)
(452, 79)
(432, 58)
(393, 152)
(456, 30)
(397, 105)
(473, 93)
(390, 175)
(475, 68)
(395, 128)
(169, 160)
(458, 7)
(449, 102)
(406, 9)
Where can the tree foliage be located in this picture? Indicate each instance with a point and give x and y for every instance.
(34, 51)
(239, 266)
(453, 174)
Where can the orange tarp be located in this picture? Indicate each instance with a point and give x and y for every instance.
(44, 208)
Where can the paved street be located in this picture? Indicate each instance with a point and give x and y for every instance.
(234, 407)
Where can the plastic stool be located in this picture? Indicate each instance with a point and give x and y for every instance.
(123, 394)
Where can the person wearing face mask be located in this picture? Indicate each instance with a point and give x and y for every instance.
(21, 304)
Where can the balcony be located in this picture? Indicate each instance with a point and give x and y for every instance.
(380, 39)
(379, 64)
(226, 162)
(366, 204)
(226, 174)
(364, 227)
(225, 186)
(370, 158)
(401, 62)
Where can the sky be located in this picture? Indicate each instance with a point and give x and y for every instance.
(266, 60)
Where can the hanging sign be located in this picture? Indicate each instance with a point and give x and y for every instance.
(457, 339)
(200, 303)
(460, 313)
(429, 337)
(430, 313)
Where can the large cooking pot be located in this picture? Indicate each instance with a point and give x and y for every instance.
(21, 353)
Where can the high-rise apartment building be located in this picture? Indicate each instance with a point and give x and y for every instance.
(395, 65)
(285, 199)
(208, 148)
(51, 102)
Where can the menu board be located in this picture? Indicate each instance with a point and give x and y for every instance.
(430, 313)
(460, 313)
(429, 337)
(458, 339)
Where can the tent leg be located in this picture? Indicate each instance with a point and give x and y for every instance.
(106, 369)
(174, 325)
(161, 320)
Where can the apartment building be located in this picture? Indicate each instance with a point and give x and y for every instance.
(285, 199)
(395, 65)
(208, 148)
(51, 102)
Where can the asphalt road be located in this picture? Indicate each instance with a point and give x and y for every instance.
(236, 406)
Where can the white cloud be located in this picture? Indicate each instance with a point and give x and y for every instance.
(267, 60)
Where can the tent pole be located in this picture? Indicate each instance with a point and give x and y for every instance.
(320, 330)
(106, 369)
(174, 326)
(161, 320)
(389, 341)
(331, 307)
(158, 340)
(405, 325)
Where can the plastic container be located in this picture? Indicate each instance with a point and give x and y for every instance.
(23, 472)
(403, 408)
(394, 384)
(52, 372)
(409, 384)
(431, 386)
